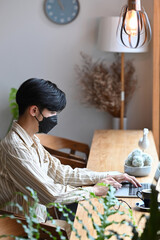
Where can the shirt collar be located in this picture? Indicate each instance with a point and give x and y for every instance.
(23, 134)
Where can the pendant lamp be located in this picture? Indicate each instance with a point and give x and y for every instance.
(134, 28)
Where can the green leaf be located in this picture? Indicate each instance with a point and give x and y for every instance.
(13, 105)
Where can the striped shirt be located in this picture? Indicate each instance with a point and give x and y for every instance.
(24, 162)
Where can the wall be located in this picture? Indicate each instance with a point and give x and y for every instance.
(33, 46)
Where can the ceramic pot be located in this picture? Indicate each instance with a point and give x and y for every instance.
(116, 123)
(137, 171)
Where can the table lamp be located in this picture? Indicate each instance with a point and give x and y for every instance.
(107, 41)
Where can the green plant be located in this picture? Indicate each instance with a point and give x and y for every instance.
(111, 206)
(32, 227)
(13, 105)
(152, 226)
(151, 229)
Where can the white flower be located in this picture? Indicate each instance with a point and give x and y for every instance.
(137, 161)
(136, 152)
(137, 158)
(147, 159)
(129, 159)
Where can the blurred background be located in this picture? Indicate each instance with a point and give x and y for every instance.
(33, 46)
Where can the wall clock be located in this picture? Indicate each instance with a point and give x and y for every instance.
(62, 11)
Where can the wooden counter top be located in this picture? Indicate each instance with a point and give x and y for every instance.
(108, 152)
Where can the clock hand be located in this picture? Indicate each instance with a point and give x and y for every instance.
(61, 5)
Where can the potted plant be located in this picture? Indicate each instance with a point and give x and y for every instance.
(101, 85)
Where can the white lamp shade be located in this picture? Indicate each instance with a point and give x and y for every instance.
(107, 39)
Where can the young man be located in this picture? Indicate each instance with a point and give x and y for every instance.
(24, 161)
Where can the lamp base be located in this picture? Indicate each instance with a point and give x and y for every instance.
(116, 123)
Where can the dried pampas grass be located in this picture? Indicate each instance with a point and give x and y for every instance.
(101, 85)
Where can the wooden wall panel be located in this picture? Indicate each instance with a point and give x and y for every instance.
(156, 74)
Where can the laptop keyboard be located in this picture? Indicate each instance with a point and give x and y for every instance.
(133, 190)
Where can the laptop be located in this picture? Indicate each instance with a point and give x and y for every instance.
(129, 190)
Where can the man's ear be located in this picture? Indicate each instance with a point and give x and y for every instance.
(33, 110)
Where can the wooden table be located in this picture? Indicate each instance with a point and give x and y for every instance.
(109, 150)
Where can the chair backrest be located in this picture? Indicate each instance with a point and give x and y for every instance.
(67, 159)
(10, 226)
(59, 143)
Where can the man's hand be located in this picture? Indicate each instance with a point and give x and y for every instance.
(102, 190)
(115, 181)
(125, 177)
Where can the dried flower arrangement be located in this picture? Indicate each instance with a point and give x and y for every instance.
(101, 85)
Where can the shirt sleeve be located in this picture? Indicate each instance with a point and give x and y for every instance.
(66, 175)
(23, 172)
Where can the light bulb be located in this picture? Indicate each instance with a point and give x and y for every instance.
(131, 23)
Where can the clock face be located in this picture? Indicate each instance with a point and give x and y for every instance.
(61, 11)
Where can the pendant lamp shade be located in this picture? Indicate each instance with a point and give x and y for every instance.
(134, 28)
(107, 38)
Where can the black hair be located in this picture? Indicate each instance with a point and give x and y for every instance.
(42, 93)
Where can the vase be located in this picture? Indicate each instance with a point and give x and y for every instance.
(116, 123)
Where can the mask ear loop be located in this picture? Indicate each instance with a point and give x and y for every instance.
(36, 119)
(41, 114)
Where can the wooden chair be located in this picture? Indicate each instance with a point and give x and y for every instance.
(9, 226)
(76, 156)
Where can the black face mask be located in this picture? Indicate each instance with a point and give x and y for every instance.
(47, 123)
